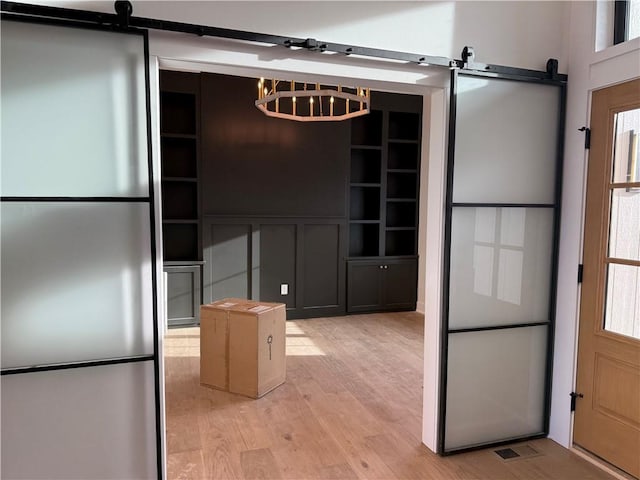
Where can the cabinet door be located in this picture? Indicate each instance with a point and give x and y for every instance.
(183, 295)
(364, 291)
(400, 280)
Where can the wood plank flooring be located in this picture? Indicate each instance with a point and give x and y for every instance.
(350, 409)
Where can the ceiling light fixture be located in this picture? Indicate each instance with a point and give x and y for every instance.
(288, 100)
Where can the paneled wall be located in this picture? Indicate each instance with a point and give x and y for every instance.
(253, 257)
(274, 202)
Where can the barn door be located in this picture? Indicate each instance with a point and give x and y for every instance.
(80, 385)
(501, 248)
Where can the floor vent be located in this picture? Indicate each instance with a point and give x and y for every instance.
(517, 452)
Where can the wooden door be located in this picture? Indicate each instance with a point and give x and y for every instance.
(607, 420)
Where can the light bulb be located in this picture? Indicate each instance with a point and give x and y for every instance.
(310, 99)
(293, 99)
(265, 90)
(331, 100)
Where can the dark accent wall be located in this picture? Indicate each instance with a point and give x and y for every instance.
(251, 257)
(275, 196)
(254, 165)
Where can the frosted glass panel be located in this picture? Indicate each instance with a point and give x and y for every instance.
(626, 147)
(495, 385)
(84, 423)
(73, 112)
(500, 266)
(624, 230)
(76, 282)
(506, 141)
(622, 313)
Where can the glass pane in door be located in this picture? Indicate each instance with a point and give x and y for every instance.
(73, 112)
(495, 385)
(506, 141)
(624, 230)
(622, 307)
(626, 147)
(82, 423)
(622, 312)
(76, 282)
(500, 266)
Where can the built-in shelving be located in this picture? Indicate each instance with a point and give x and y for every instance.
(383, 206)
(179, 147)
(383, 188)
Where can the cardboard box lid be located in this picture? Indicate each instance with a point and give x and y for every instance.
(225, 304)
(243, 306)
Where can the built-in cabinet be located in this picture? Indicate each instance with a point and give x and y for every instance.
(182, 291)
(383, 204)
(180, 160)
(382, 284)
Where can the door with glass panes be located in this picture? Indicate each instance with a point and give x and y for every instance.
(503, 193)
(607, 419)
(80, 389)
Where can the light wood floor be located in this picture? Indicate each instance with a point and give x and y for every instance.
(351, 408)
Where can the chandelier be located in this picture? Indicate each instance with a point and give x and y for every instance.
(308, 102)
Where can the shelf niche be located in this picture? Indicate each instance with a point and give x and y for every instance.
(367, 130)
(401, 214)
(400, 242)
(402, 156)
(178, 113)
(365, 165)
(180, 201)
(180, 241)
(404, 126)
(179, 157)
(402, 185)
(365, 203)
(363, 240)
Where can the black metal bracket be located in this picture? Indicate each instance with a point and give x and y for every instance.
(580, 272)
(552, 68)
(587, 137)
(310, 44)
(469, 63)
(468, 55)
(574, 396)
(123, 9)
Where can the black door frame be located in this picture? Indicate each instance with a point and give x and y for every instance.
(553, 80)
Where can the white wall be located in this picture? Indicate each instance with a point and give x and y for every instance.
(588, 70)
(534, 29)
(522, 34)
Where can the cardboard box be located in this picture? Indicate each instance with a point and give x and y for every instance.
(243, 346)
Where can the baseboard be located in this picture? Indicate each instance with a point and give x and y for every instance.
(601, 464)
(420, 307)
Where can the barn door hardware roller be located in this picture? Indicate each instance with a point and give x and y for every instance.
(124, 9)
(310, 44)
